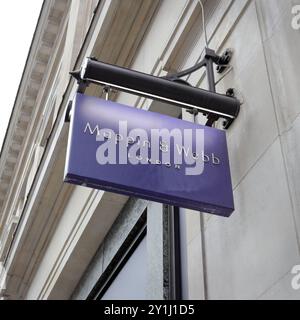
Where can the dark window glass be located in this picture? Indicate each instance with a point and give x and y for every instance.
(131, 281)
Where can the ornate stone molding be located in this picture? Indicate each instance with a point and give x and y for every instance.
(34, 74)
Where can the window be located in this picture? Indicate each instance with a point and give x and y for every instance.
(131, 281)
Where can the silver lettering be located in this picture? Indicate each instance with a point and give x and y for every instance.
(215, 159)
(89, 128)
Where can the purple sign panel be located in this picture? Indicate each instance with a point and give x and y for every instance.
(130, 151)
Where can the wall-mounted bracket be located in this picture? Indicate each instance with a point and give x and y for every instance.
(224, 61)
(170, 89)
(208, 62)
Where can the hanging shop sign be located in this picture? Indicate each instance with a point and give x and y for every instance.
(130, 151)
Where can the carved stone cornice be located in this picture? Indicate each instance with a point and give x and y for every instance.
(35, 71)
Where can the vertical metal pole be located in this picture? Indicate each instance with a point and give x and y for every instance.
(175, 292)
(210, 75)
(211, 86)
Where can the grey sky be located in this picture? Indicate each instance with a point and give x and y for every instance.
(17, 24)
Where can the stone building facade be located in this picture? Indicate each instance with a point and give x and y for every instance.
(59, 241)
